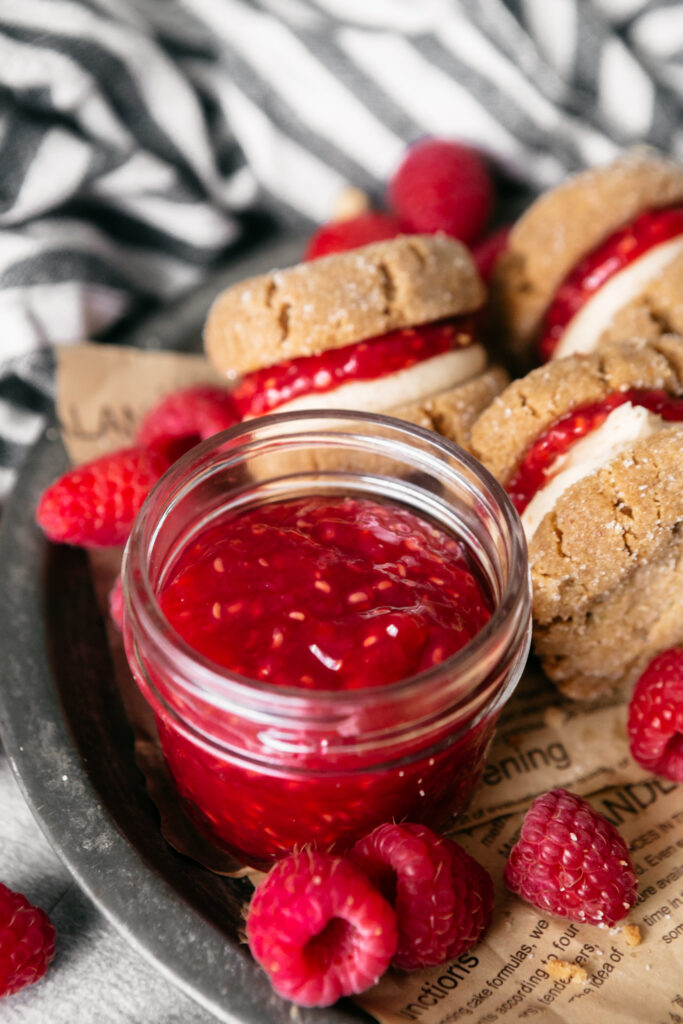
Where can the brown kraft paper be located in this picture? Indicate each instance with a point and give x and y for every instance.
(543, 741)
(103, 391)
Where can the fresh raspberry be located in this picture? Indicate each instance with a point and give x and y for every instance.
(116, 603)
(655, 716)
(571, 862)
(443, 898)
(95, 504)
(340, 235)
(320, 929)
(188, 416)
(442, 186)
(27, 941)
(486, 252)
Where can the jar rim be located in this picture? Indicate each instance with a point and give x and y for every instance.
(205, 677)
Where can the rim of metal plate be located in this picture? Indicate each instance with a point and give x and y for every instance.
(155, 918)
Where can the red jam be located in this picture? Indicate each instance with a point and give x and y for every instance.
(335, 593)
(380, 639)
(265, 389)
(262, 814)
(535, 469)
(621, 249)
(331, 594)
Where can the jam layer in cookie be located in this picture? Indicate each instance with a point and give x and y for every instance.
(548, 459)
(609, 278)
(300, 382)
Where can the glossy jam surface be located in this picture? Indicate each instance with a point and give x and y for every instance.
(534, 470)
(324, 593)
(263, 390)
(621, 249)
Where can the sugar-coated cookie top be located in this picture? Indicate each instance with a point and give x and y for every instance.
(340, 299)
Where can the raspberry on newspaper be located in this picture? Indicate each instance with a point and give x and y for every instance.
(571, 862)
(443, 898)
(320, 929)
(27, 942)
(655, 718)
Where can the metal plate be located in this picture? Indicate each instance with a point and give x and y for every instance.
(69, 743)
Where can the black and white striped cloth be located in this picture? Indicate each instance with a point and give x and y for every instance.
(138, 137)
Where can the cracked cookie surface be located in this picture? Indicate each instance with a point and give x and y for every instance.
(340, 299)
(606, 525)
(612, 642)
(657, 310)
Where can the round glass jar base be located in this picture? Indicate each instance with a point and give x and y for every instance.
(260, 815)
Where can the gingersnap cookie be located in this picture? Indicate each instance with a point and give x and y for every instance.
(608, 240)
(370, 329)
(453, 412)
(340, 299)
(657, 310)
(590, 450)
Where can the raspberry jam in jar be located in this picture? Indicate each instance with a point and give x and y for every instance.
(326, 613)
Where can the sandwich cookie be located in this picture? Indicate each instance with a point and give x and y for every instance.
(590, 450)
(598, 259)
(376, 328)
(453, 412)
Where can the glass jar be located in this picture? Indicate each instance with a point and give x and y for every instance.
(264, 768)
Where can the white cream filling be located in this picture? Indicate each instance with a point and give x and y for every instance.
(624, 425)
(587, 325)
(417, 382)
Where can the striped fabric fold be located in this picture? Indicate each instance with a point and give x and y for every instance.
(135, 136)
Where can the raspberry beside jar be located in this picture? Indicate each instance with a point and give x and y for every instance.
(264, 767)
